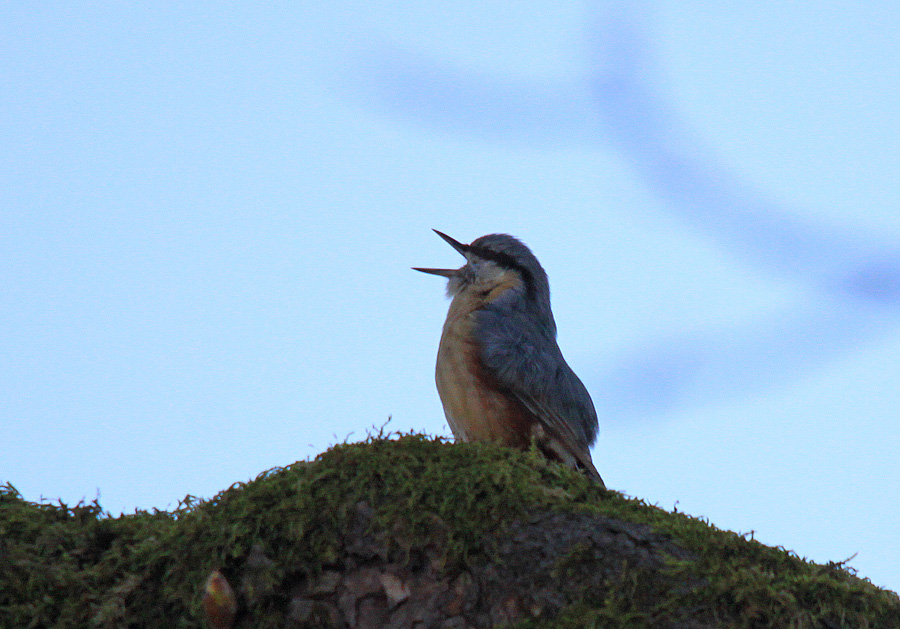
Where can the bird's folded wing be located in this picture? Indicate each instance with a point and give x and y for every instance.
(527, 363)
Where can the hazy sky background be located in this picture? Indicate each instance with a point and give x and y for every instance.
(208, 216)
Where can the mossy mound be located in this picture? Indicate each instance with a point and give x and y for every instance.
(395, 532)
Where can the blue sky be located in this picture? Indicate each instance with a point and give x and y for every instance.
(208, 216)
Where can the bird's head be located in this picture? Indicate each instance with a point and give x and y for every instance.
(496, 264)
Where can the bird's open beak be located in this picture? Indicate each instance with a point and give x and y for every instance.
(448, 273)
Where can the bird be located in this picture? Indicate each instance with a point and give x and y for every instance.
(500, 374)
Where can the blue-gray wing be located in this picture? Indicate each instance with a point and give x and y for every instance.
(526, 361)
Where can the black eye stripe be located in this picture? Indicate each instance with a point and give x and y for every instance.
(503, 259)
(506, 261)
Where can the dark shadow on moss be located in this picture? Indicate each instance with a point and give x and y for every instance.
(393, 532)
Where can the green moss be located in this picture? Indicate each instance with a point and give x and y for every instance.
(76, 566)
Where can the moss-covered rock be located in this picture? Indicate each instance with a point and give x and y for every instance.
(395, 532)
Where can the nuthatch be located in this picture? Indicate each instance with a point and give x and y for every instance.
(500, 374)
